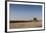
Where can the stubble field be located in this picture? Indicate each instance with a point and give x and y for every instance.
(14, 25)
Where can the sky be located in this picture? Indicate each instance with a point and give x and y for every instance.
(25, 12)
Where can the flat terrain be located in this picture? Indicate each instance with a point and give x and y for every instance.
(25, 24)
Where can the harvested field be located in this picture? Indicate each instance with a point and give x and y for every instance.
(29, 24)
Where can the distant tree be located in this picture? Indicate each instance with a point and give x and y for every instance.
(35, 19)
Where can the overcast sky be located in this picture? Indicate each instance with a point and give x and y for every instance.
(25, 12)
